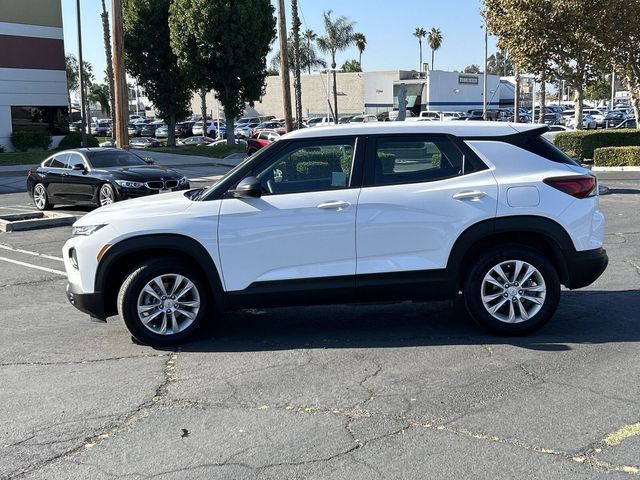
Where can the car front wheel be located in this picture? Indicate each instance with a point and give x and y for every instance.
(106, 195)
(163, 302)
(512, 291)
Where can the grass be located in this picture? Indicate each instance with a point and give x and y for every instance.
(19, 158)
(219, 151)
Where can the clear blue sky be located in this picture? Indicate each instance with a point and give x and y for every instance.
(387, 25)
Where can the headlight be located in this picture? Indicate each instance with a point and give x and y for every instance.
(128, 184)
(85, 230)
(183, 180)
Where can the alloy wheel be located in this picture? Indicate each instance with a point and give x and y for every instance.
(513, 291)
(106, 196)
(39, 196)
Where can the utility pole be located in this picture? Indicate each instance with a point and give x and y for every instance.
(83, 108)
(613, 89)
(284, 66)
(119, 78)
(485, 88)
(107, 50)
(516, 99)
(295, 19)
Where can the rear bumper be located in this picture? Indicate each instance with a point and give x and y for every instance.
(90, 303)
(584, 268)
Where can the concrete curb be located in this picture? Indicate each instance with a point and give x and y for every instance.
(31, 221)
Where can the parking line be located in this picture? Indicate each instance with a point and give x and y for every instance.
(35, 254)
(20, 209)
(37, 267)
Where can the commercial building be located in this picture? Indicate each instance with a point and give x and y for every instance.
(33, 82)
(377, 92)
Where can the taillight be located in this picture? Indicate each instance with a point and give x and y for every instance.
(28, 173)
(578, 187)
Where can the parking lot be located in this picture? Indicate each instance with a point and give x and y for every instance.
(409, 390)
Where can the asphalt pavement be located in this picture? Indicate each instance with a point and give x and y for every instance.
(388, 391)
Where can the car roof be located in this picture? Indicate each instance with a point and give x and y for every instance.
(462, 129)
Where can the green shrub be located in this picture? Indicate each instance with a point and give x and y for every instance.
(582, 143)
(23, 141)
(312, 169)
(617, 157)
(74, 140)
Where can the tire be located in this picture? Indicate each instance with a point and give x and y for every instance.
(536, 300)
(106, 195)
(188, 316)
(40, 197)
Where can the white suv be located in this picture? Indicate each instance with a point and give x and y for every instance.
(384, 211)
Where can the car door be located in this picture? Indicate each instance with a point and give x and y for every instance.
(52, 176)
(302, 227)
(419, 193)
(78, 185)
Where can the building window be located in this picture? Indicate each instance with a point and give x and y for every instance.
(54, 120)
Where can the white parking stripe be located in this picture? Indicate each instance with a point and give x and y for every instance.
(35, 254)
(37, 267)
(20, 209)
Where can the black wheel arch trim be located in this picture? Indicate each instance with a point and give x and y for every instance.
(182, 244)
(559, 239)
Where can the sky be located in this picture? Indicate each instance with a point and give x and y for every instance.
(387, 25)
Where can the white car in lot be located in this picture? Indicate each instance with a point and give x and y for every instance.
(351, 213)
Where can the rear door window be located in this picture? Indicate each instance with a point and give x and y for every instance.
(59, 160)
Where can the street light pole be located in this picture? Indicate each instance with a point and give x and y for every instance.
(119, 77)
(83, 109)
(485, 87)
(613, 88)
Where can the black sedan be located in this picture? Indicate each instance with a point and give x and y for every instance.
(98, 176)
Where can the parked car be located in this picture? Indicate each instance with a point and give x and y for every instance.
(628, 123)
(262, 139)
(447, 116)
(345, 119)
(588, 122)
(162, 131)
(144, 142)
(75, 126)
(197, 128)
(245, 120)
(98, 176)
(149, 130)
(108, 143)
(319, 122)
(383, 117)
(100, 128)
(184, 129)
(245, 130)
(281, 229)
(614, 118)
(133, 130)
(554, 130)
(223, 141)
(597, 115)
(363, 119)
(269, 125)
(196, 140)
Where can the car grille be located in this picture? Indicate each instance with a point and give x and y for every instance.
(159, 185)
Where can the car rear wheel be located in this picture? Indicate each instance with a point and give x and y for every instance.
(512, 290)
(40, 198)
(163, 302)
(106, 195)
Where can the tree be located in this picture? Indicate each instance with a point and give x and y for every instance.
(310, 37)
(473, 68)
(151, 61)
(434, 39)
(297, 84)
(71, 67)
(351, 66)
(230, 41)
(499, 64)
(99, 93)
(598, 90)
(420, 33)
(361, 43)
(308, 58)
(107, 52)
(338, 36)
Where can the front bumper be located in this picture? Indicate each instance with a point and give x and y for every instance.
(91, 303)
(128, 193)
(584, 268)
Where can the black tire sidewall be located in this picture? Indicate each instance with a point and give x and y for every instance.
(135, 282)
(473, 283)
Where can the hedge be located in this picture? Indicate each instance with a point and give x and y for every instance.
(74, 140)
(23, 141)
(582, 144)
(617, 157)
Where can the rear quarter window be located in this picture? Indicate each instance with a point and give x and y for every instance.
(544, 148)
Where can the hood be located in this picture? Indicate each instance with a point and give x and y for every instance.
(141, 173)
(149, 206)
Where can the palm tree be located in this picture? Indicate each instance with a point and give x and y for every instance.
(309, 59)
(338, 36)
(420, 33)
(310, 36)
(107, 52)
(361, 43)
(434, 38)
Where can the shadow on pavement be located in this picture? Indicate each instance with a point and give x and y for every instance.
(582, 317)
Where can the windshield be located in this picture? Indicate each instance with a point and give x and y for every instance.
(114, 158)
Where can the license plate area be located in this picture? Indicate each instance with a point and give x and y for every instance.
(164, 190)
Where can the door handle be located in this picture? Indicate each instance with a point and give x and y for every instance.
(65, 174)
(469, 195)
(334, 205)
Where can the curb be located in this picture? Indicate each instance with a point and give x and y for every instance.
(35, 220)
(615, 169)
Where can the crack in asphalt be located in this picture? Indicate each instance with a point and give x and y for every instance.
(127, 420)
(634, 265)
(33, 282)
(81, 362)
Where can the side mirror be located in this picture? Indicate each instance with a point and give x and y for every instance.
(250, 187)
(79, 166)
(148, 161)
